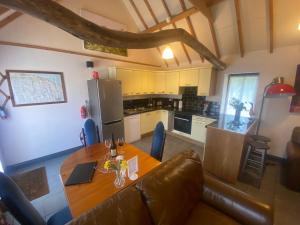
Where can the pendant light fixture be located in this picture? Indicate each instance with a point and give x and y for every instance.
(167, 53)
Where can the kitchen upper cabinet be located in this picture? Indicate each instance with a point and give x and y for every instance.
(151, 82)
(125, 76)
(141, 82)
(159, 82)
(172, 82)
(132, 128)
(188, 78)
(206, 82)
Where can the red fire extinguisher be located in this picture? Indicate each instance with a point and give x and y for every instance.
(83, 112)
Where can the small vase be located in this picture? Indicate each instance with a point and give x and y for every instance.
(120, 180)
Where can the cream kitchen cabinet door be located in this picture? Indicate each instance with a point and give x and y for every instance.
(188, 78)
(125, 76)
(164, 117)
(172, 82)
(148, 122)
(132, 128)
(151, 82)
(206, 82)
(159, 82)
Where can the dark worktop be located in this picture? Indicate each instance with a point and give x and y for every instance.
(226, 122)
(130, 112)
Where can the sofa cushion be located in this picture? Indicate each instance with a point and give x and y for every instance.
(173, 189)
(206, 215)
(296, 135)
(126, 208)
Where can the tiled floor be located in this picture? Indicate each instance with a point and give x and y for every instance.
(286, 203)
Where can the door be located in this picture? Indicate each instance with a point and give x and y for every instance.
(159, 82)
(206, 82)
(124, 76)
(111, 101)
(114, 128)
(172, 82)
(132, 128)
(189, 78)
(183, 123)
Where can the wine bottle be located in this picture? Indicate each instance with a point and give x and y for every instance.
(113, 147)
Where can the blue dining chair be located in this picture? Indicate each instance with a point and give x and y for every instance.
(158, 141)
(22, 209)
(90, 133)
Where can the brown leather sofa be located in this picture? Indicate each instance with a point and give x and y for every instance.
(293, 161)
(176, 193)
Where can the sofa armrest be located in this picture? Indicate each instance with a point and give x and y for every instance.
(235, 203)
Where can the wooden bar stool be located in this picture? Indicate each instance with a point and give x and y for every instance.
(255, 157)
(260, 138)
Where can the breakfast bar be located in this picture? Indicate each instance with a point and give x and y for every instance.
(225, 143)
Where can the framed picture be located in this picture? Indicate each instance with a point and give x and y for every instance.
(29, 88)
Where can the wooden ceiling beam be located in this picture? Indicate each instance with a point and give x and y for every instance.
(205, 10)
(210, 3)
(145, 26)
(67, 20)
(190, 24)
(9, 19)
(156, 22)
(271, 25)
(173, 19)
(214, 37)
(174, 26)
(3, 10)
(239, 26)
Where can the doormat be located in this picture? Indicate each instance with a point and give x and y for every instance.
(33, 183)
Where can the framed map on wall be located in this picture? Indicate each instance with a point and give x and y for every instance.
(36, 87)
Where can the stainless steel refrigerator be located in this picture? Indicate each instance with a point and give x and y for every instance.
(106, 107)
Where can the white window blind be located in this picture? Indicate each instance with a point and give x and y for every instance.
(242, 87)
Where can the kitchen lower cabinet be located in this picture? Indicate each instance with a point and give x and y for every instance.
(132, 128)
(150, 119)
(199, 128)
(148, 122)
(164, 117)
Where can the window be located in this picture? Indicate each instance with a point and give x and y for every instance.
(241, 89)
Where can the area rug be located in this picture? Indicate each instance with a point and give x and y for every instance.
(33, 183)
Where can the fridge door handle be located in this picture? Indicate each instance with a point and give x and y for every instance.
(114, 121)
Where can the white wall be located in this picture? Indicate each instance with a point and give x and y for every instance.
(277, 121)
(34, 131)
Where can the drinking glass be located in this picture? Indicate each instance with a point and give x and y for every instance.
(107, 143)
(121, 143)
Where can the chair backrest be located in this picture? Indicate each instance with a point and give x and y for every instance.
(158, 141)
(17, 203)
(90, 131)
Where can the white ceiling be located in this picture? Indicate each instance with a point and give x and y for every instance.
(254, 19)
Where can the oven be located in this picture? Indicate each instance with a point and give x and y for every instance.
(183, 123)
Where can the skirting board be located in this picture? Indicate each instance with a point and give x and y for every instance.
(10, 169)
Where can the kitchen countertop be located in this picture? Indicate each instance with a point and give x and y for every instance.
(226, 122)
(130, 112)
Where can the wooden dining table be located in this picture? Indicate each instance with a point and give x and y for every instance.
(83, 197)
